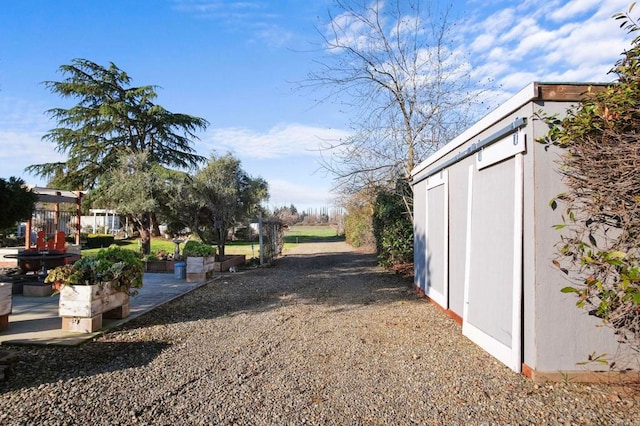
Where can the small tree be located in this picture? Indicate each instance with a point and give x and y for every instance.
(600, 245)
(133, 189)
(16, 202)
(288, 215)
(358, 223)
(227, 195)
(178, 206)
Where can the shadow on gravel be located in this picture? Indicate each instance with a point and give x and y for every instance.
(35, 366)
(331, 280)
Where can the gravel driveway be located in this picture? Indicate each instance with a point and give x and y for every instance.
(323, 337)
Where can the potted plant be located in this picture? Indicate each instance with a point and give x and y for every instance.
(59, 276)
(200, 260)
(98, 286)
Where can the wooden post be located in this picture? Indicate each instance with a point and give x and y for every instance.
(27, 235)
(56, 218)
(78, 216)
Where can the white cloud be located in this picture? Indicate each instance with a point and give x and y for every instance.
(284, 192)
(573, 8)
(515, 81)
(251, 17)
(22, 125)
(280, 141)
(21, 149)
(483, 42)
(574, 40)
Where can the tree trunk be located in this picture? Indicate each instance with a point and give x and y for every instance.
(221, 243)
(143, 225)
(145, 239)
(155, 226)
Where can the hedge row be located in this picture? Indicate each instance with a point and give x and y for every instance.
(99, 240)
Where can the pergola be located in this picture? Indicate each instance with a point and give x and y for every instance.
(56, 197)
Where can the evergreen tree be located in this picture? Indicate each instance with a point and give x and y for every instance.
(16, 202)
(109, 118)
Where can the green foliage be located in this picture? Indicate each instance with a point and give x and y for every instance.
(99, 240)
(158, 255)
(392, 226)
(111, 116)
(116, 264)
(226, 196)
(311, 233)
(358, 227)
(151, 257)
(600, 225)
(16, 202)
(177, 205)
(197, 249)
(358, 222)
(133, 189)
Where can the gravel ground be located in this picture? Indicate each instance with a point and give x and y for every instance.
(323, 337)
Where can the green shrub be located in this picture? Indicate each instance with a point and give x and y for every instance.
(393, 227)
(358, 227)
(99, 240)
(197, 249)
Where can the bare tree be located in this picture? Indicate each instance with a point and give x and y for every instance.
(395, 62)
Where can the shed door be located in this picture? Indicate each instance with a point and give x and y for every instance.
(436, 245)
(493, 260)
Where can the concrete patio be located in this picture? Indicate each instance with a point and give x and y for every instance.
(35, 320)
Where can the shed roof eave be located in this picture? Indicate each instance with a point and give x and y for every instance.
(533, 91)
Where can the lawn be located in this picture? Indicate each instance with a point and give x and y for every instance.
(235, 247)
(306, 234)
(293, 236)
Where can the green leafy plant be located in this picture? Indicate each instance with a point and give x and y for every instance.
(121, 266)
(392, 226)
(197, 249)
(600, 229)
(151, 257)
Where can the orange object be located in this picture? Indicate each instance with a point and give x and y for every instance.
(40, 242)
(60, 241)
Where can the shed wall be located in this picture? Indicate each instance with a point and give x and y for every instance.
(564, 334)
(484, 248)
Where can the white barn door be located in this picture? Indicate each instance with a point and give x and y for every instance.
(492, 315)
(436, 245)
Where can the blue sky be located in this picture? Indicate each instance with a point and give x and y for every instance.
(234, 63)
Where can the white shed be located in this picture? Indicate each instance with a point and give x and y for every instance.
(484, 242)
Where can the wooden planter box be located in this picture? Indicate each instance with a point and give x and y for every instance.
(229, 261)
(37, 290)
(82, 307)
(5, 305)
(159, 266)
(200, 269)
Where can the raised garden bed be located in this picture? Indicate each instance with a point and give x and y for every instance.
(200, 269)
(82, 307)
(159, 265)
(229, 261)
(5, 305)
